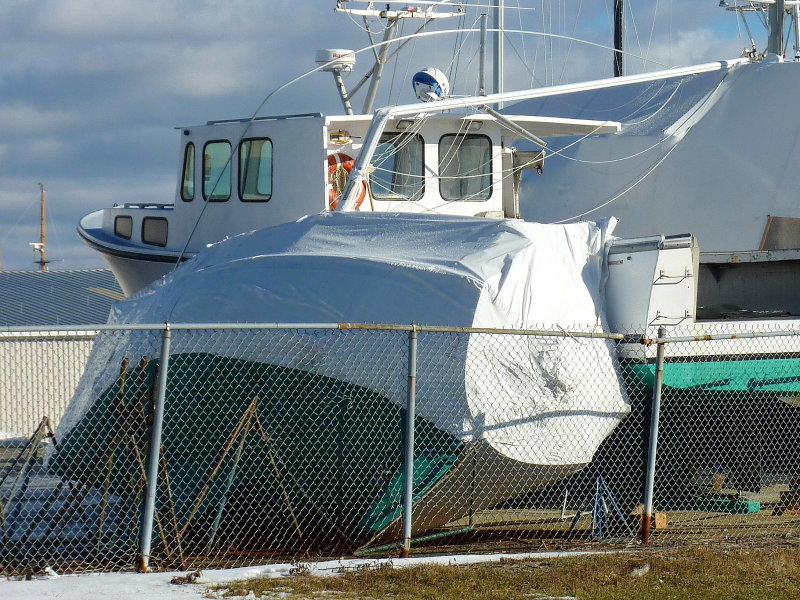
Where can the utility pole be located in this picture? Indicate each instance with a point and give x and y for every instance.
(41, 247)
(619, 37)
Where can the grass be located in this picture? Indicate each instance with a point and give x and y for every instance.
(710, 574)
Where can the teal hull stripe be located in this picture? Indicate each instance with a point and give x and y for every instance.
(759, 375)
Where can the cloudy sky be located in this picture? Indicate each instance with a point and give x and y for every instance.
(90, 90)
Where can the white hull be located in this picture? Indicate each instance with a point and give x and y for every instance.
(133, 273)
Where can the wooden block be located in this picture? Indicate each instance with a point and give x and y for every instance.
(659, 520)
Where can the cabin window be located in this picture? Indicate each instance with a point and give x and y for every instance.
(217, 171)
(123, 227)
(187, 187)
(255, 170)
(398, 163)
(154, 231)
(465, 167)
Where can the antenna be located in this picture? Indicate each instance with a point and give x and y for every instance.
(393, 12)
(40, 247)
(336, 61)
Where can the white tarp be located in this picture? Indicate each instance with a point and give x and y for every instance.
(538, 400)
(712, 154)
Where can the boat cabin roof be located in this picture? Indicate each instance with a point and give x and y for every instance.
(539, 126)
(534, 124)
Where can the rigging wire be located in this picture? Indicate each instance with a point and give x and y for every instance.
(570, 44)
(452, 72)
(524, 64)
(651, 169)
(560, 153)
(53, 227)
(522, 37)
(394, 67)
(635, 28)
(652, 29)
(22, 215)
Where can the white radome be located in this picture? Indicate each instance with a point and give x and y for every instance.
(431, 84)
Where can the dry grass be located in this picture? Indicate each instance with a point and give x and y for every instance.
(710, 574)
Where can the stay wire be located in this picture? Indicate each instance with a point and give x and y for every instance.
(650, 170)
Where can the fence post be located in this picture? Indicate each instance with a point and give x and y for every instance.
(408, 454)
(154, 456)
(655, 414)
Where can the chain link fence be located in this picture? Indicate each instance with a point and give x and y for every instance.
(202, 446)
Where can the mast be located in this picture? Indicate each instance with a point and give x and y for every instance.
(619, 37)
(796, 13)
(499, 25)
(777, 14)
(388, 34)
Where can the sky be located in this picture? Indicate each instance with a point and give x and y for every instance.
(91, 91)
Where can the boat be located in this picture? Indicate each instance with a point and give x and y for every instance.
(497, 415)
(687, 149)
(256, 184)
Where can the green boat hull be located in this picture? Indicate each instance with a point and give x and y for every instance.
(255, 455)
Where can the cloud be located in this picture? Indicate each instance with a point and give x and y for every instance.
(23, 119)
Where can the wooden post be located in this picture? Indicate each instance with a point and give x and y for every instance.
(42, 247)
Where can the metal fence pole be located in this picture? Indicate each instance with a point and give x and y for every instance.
(148, 513)
(655, 414)
(408, 454)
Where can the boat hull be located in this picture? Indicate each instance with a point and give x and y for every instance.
(269, 458)
(135, 273)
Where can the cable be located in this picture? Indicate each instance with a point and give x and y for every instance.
(569, 46)
(649, 171)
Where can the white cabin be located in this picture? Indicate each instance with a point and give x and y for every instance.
(240, 175)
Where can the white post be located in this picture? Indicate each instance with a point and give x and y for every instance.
(499, 25)
(408, 453)
(148, 513)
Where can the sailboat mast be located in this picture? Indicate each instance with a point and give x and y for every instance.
(777, 14)
(619, 37)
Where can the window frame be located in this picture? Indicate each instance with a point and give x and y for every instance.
(166, 238)
(423, 178)
(188, 146)
(490, 174)
(240, 182)
(129, 218)
(230, 167)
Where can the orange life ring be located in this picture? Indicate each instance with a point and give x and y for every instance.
(339, 167)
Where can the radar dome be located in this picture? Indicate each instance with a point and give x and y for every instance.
(431, 84)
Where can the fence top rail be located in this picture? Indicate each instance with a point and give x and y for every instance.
(49, 335)
(94, 329)
(88, 331)
(726, 336)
